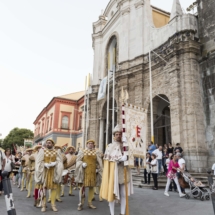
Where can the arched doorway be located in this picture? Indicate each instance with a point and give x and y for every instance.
(162, 120)
(110, 124)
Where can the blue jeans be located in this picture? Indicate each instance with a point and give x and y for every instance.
(159, 165)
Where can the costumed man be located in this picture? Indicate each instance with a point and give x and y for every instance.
(88, 163)
(113, 182)
(25, 169)
(98, 178)
(70, 167)
(58, 199)
(31, 167)
(48, 172)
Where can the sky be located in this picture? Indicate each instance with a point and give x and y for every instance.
(45, 51)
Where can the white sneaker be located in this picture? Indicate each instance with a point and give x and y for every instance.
(166, 194)
(182, 195)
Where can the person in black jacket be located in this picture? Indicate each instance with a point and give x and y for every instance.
(147, 169)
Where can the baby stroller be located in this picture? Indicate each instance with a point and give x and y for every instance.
(197, 189)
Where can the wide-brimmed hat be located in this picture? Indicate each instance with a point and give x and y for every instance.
(91, 141)
(51, 141)
(35, 148)
(68, 148)
(29, 149)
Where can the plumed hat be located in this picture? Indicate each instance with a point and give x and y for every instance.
(118, 128)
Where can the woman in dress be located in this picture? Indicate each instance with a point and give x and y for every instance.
(171, 175)
(147, 170)
(8, 159)
(154, 170)
(170, 148)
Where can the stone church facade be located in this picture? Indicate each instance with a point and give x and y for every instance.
(183, 107)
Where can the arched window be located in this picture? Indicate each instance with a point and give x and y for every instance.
(65, 122)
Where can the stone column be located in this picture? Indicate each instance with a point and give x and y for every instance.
(101, 135)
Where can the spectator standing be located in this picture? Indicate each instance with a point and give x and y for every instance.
(178, 148)
(154, 170)
(2, 165)
(170, 148)
(171, 174)
(213, 168)
(159, 153)
(147, 170)
(151, 147)
(137, 165)
(8, 160)
(165, 156)
(182, 165)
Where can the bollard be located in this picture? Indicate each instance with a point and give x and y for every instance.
(210, 182)
(8, 194)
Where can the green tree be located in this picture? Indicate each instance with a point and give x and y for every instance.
(17, 136)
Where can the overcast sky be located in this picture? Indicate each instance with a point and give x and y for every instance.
(45, 51)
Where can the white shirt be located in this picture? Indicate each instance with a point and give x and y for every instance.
(8, 163)
(2, 155)
(181, 161)
(154, 162)
(213, 168)
(167, 163)
(158, 153)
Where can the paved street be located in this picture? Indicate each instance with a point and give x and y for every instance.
(144, 201)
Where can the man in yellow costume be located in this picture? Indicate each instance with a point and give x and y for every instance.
(113, 182)
(25, 169)
(31, 166)
(88, 163)
(70, 167)
(48, 172)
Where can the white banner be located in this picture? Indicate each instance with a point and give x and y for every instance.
(136, 132)
(102, 89)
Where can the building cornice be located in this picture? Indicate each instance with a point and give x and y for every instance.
(139, 4)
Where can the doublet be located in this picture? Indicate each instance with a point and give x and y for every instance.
(90, 159)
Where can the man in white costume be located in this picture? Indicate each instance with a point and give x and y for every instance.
(113, 179)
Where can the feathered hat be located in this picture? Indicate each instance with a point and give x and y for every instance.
(118, 128)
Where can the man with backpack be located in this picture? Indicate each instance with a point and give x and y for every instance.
(2, 165)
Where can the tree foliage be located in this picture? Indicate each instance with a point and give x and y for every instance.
(17, 136)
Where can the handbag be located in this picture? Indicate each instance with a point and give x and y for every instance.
(182, 182)
(154, 169)
(13, 166)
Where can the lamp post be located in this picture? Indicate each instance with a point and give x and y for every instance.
(210, 182)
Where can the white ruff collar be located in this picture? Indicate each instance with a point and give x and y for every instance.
(113, 151)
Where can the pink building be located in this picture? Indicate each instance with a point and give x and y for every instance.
(61, 120)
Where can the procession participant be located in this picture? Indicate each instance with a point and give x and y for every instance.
(98, 177)
(113, 184)
(58, 199)
(31, 166)
(88, 163)
(48, 172)
(71, 161)
(25, 170)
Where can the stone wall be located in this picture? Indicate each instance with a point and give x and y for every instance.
(207, 68)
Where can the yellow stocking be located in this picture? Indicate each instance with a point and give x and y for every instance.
(62, 190)
(53, 196)
(90, 194)
(23, 180)
(30, 186)
(70, 190)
